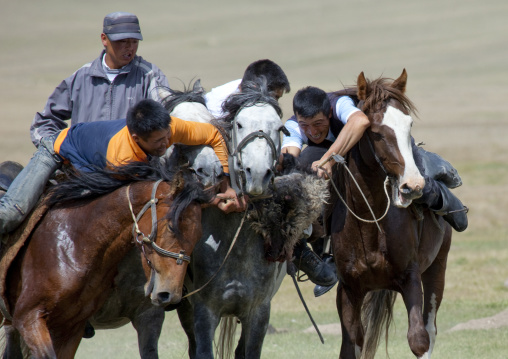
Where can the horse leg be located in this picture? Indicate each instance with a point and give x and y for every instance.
(67, 348)
(205, 324)
(12, 343)
(186, 316)
(349, 307)
(254, 329)
(433, 280)
(411, 290)
(148, 324)
(32, 327)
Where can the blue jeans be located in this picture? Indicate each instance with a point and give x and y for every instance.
(27, 187)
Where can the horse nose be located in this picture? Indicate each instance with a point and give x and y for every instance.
(411, 191)
(268, 175)
(163, 298)
(257, 181)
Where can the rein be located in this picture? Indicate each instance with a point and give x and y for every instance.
(225, 258)
(341, 161)
(136, 232)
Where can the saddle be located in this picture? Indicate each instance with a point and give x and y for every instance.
(8, 172)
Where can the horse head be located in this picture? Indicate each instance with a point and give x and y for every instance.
(389, 135)
(189, 105)
(167, 249)
(201, 161)
(253, 118)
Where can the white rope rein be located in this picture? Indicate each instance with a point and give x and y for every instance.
(340, 160)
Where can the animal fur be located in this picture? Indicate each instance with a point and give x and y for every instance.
(297, 201)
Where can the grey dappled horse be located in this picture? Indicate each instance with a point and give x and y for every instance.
(246, 282)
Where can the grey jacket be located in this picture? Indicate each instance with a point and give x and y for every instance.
(88, 95)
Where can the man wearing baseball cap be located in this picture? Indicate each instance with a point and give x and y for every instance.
(102, 90)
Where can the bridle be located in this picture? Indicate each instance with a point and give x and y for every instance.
(235, 153)
(150, 239)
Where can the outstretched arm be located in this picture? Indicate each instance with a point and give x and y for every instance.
(350, 135)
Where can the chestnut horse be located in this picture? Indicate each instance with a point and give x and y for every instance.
(403, 249)
(66, 269)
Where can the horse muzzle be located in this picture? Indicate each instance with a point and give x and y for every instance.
(161, 293)
(257, 183)
(403, 194)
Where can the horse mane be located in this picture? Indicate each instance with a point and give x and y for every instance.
(379, 92)
(176, 97)
(80, 186)
(253, 93)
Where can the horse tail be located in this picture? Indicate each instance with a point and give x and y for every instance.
(226, 340)
(16, 346)
(377, 312)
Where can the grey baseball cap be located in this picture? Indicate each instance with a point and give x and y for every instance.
(122, 25)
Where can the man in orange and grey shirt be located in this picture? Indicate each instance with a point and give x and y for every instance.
(147, 132)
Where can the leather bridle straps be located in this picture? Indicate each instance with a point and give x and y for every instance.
(136, 232)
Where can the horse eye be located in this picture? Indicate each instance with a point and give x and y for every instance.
(239, 126)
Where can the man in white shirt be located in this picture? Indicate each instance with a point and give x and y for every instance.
(276, 80)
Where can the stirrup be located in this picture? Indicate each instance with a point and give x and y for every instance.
(465, 209)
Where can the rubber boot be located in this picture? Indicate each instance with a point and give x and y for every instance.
(438, 168)
(442, 201)
(310, 263)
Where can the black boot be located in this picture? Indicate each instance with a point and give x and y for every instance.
(319, 290)
(438, 168)
(319, 272)
(440, 200)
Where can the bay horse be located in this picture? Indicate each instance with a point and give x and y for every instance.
(127, 303)
(404, 249)
(66, 269)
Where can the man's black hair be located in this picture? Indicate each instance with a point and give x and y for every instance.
(310, 101)
(147, 116)
(275, 77)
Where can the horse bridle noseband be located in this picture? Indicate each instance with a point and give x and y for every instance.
(136, 232)
(235, 155)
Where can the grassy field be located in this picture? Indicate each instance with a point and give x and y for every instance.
(455, 53)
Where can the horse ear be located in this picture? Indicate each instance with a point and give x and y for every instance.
(361, 85)
(163, 92)
(400, 83)
(197, 87)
